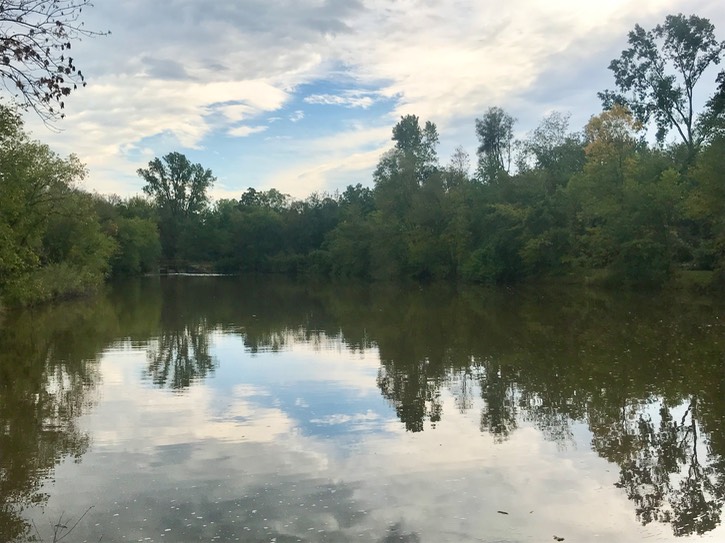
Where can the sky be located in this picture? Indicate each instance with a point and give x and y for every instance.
(302, 95)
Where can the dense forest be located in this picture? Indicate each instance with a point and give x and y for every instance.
(637, 197)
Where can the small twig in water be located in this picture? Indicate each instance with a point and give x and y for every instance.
(57, 539)
(37, 532)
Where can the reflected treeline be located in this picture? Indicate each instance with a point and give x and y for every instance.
(644, 373)
(48, 372)
(48, 375)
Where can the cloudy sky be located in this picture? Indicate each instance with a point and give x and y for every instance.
(301, 95)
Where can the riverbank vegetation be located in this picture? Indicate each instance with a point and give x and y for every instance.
(613, 203)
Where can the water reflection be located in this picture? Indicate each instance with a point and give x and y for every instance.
(644, 376)
(668, 472)
(638, 371)
(47, 378)
(180, 356)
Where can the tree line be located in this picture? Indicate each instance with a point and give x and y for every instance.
(605, 203)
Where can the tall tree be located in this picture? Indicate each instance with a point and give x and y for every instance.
(179, 189)
(407, 166)
(656, 75)
(399, 177)
(416, 145)
(35, 61)
(495, 131)
(458, 169)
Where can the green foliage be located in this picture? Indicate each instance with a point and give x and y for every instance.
(495, 131)
(498, 256)
(349, 246)
(601, 202)
(139, 247)
(179, 189)
(705, 204)
(132, 225)
(628, 204)
(52, 244)
(552, 152)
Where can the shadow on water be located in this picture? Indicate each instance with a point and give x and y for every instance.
(645, 374)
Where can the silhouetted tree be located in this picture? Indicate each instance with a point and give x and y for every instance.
(656, 76)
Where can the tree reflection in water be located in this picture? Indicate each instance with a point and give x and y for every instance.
(48, 372)
(667, 471)
(180, 357)
(638, 380)
(644, 374)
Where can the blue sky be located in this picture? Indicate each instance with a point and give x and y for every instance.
(301, 95)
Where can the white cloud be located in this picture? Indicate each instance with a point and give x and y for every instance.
(169, 78)
(243, 131)
(349, 99)
(297, 116)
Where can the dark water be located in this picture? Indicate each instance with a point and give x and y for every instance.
(220, 409)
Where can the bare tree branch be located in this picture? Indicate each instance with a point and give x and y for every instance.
(36, 66)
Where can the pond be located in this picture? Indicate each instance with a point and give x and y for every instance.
(239, 409)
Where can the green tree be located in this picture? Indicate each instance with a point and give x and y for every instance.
(495, 135)
(139, 247)
(417, 145)
(706, 204)
(270, 199)
(131, 225)
(597, 191)
(402, 171)
(657, 74)
(51, 244)
(179, 189)
(348, 244)
(552, 151)
(712, 121)
(459, 168)
(628, 203)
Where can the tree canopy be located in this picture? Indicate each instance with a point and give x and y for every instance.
(51, 244)
(657, 74)
(179, 189)
(495, 134)
(177, 185)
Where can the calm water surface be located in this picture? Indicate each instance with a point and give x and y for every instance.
(228, 409)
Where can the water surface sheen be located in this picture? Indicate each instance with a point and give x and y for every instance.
(232, 409)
